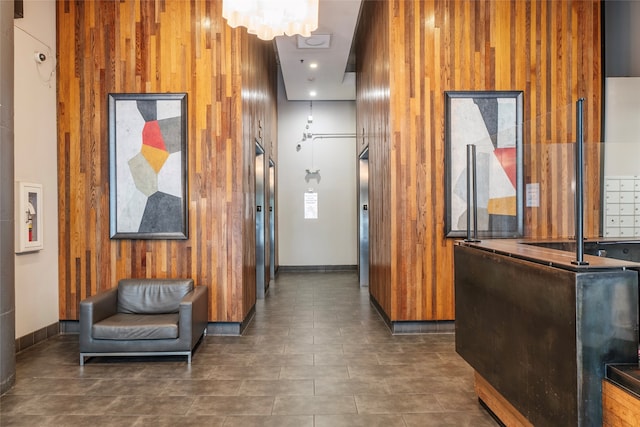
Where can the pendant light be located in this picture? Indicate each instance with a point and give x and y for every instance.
(270, 18)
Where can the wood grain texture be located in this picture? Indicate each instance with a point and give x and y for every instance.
(408, 54)
(372, 94)
(501, 407)
(156, 46)
(620, 408)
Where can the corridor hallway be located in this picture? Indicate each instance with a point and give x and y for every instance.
(316, 354)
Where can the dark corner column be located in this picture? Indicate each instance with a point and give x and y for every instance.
(7, 255)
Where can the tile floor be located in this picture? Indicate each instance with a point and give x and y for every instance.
(317, 354)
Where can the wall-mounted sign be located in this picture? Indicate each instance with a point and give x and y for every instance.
(310, 205)
(533, 195)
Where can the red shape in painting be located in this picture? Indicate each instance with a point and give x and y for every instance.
(507, 158)
(152, 136)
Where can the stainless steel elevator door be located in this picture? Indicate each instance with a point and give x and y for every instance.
(260, 231)
(363, 218)
(272, 220)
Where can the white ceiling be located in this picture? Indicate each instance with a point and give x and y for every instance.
(329, 47)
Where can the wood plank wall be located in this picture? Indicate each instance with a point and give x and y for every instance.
(146, 46)
(259, 121)
(373, 121)
(408, 54)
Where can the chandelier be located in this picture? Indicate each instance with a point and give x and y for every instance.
(270, 18)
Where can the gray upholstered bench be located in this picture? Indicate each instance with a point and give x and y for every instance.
(143, 317)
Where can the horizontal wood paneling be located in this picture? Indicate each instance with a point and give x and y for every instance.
(409, 53)
(141, 46)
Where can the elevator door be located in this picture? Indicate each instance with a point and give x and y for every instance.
(260, 207)
(363, 218)
(272, 220)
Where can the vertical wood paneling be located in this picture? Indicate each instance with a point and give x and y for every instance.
(373, 109)
(145, 46)
(259, 122)
(408, 54)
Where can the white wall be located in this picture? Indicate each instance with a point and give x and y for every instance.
(36, 274)
(331, 239)
(622, 126)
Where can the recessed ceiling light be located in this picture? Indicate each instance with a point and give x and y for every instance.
(316, 41)
(313, 93)
(313, 65)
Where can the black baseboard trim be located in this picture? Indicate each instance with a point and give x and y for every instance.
(69, 327)
(231, 328)
(413, 326)
(38, 336)
(315, 268)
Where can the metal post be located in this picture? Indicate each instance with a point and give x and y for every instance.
(472, 194)
(579, 217)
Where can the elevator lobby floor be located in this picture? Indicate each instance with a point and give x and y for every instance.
(317, 354)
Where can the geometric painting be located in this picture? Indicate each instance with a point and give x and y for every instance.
(492, 122)
(147, 165)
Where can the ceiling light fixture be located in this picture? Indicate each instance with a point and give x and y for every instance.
(313, 65)
(270, 18)
(315, 41)
(313, 93)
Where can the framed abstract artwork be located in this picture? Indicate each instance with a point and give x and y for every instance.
(492, 121)
(148, 166)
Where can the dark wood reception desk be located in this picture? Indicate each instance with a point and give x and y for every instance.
(539, 330)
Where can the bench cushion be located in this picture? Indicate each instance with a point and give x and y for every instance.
(124, 326)
(153, 296)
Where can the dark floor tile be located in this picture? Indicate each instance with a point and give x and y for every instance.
(351, 359)
(60, 386)
(151, 405)
(280, 387)
(359, 420)
(313, 348)
(397, 404)
(390, 371)
(222, 359)
(90, 420)
(349, 387)
(181, 421)
(129, 387)
(458, 419)
(433, 384)
(244, 373)
(289, 339)
(311, 405)
(163, 371)
(305, 359)
(270, 421)
(204, 387)
(315, 331)
(8, 420)
(339, 340)
(236, 405)
(56, 405)
(456, 401)
(312, 372)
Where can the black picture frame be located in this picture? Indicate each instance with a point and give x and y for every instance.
(148, 179)
(493, 122)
